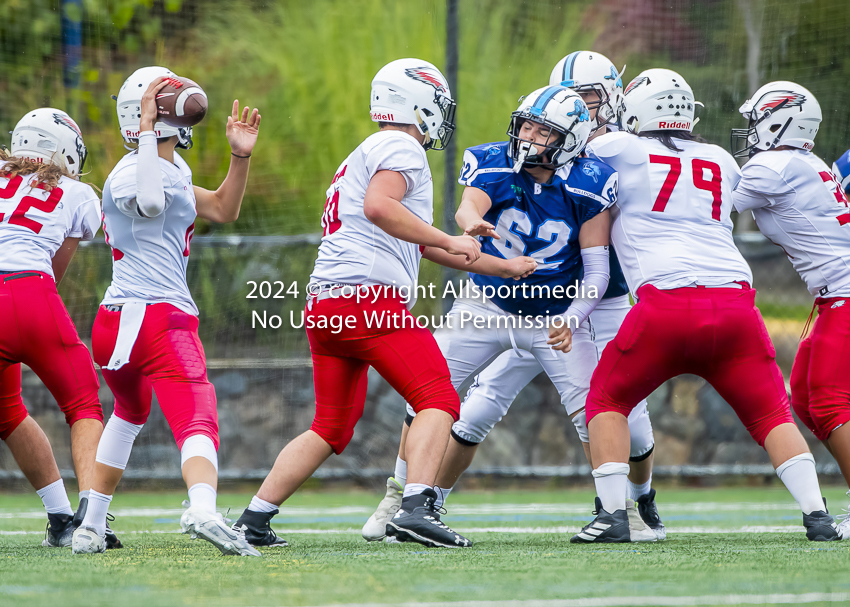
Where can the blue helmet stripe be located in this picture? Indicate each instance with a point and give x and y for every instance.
(569, 64)
(545, 97)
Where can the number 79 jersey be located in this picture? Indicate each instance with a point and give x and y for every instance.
(34, 222)
(671, 225)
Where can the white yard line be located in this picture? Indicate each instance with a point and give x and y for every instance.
(526, 530)
(461, 510)
(646, 601)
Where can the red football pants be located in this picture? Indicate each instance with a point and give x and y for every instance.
(820, 379)
(717, 334)
(408, 358)
(38, 331)
(167, 358)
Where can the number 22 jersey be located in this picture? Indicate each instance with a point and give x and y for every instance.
(34, 222)
(671, 225)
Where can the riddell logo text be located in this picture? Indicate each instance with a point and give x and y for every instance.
(675, 125)
(383, 117)
(135, 134)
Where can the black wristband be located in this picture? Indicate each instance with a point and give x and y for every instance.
(238, 156)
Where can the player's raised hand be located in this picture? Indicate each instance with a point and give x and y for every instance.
(560, 338)
(242, 130)
(519, 267)
(481, 228)
(149, 108)
(465, 245)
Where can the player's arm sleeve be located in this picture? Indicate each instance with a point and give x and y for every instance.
(86, 220)
(593, 286)
(398, 155)
(759, 187)
(150, 191)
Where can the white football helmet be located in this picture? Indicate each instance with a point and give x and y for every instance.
(565, 113)
(659, 100)
(130, 108)
(48, 135)
(780, 113)
(589, 72)
(412, 91)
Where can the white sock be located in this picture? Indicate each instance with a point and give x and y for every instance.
(96, 511)
(84, 495)
(635, 491)
(415, 489)
(116, 442)
(202, 495)
(442, 495)
(799, 475)
(610, 482)
(261, 505)
(55, 498)
(400, 473)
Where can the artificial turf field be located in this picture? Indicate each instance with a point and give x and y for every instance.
(725, 547)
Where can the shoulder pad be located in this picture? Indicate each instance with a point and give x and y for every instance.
(592, 179)
(483, 163)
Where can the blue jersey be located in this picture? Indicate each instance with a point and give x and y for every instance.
(540, 220)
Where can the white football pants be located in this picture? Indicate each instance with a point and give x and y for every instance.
(495, 388)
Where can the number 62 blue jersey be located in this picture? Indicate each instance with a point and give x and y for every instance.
(540, 220)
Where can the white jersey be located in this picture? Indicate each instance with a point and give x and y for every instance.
(671, 224)
(798, 203)
(34, 222)
(353, 249)
(149, 255)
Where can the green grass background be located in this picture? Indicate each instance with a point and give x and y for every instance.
(168, 569)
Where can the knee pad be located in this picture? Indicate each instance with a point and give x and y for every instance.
(199, 445)
(463, 441)
(827, 414)
(442, 397)
(640, 430)
(12, 414)
(116, 443)
(580, 422)
(760, 428)
(337, 436)
(90, 409)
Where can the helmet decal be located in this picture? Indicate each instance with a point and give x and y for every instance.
(636, 83)
(427, 75)
(580, 111)
(66, 120)
(790, 100)
(615, 77)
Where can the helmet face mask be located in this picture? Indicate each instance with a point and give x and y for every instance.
(564, 113)
(447, 106)
(545, 152)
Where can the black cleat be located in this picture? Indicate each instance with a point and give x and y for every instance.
(820, 526)
(606, 528)
(112, 541)
(418, 521)
(60, 531)
(649, 513)
(258, 529)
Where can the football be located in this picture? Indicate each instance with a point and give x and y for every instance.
(181, 102)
